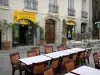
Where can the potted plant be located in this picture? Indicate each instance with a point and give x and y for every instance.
(41, 37)
(64, 32)
(4, 28)
(42, 40)
(64, 37)
(15, 32)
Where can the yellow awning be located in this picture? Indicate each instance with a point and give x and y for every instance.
(70, 22)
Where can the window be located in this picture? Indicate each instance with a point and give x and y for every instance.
(53, 7)
(31, 4)
(83, 4)
(70, 3)
(3, 2)
(53, 2)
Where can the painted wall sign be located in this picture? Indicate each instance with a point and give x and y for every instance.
(18, 14)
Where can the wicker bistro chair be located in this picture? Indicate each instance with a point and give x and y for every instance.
(96, 60)
(54, 63)
(61, 62)
(81, 58)
(75, 58)
(65, 58)
(36, 69)
(49, 71)
(37, 49)
(16, 65)
(31, 53)
(64, 46)
(87, 54)
(59, 48)
(48, 49)
(69, 65)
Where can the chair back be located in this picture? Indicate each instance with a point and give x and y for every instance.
(48, 49)
(82, 55)
(54, 63)
(89, 52)
(31, 53)
(64, 58)
(59, 48)
(37, 49)
(49, 71)
(74, 56)
(14, 58)
(64, 46)
(95, 57)
(69, 65)
(38, 68)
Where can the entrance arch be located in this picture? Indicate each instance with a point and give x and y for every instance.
(25, 33)
(70, 29)
(50, 31)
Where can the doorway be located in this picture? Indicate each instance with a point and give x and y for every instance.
(23, 32)
(50, 31)
(70, 31)
(83, 27)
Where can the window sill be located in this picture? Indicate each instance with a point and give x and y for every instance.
(29, 10)
(53, 13)
(71, 16)
(5, 7)
(84, 18)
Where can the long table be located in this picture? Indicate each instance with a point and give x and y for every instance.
(85, 70)
(49, 56)
(64, 52)
(35, 59)
(56, 54)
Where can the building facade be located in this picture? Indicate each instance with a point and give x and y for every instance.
(54, 16)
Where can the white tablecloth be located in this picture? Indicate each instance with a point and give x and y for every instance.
(85, 70)
(34, 59)
(69, 74)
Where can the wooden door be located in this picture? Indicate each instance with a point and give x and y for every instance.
(50, 31)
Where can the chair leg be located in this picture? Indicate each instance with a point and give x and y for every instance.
(13, 71)
(88, 60)
(84, 61)
(20, 72)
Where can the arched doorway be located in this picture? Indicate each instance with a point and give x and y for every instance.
(50, 31)
(83, 27)
(83, 30)
(25, 34)
(70, 29)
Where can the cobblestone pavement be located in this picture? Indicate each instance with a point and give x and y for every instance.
(5, 66)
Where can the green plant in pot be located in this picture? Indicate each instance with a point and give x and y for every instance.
(4, 29)
(15, 32)
(64, 37)
(64, 32)
(42, 39)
